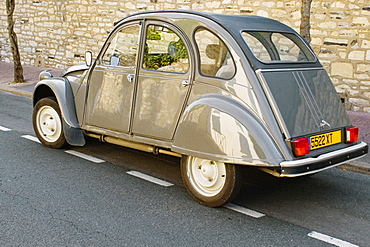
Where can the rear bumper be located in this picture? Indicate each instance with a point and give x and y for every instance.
(308, 166)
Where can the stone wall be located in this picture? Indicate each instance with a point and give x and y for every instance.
(56, 33)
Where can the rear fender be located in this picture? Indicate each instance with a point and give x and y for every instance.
(62, 91)
(219, 128)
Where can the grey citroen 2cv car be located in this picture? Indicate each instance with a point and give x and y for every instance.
(219, 91)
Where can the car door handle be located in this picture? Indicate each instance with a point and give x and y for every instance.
(130, 77)
(185, 83)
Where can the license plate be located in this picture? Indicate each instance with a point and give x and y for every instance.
(326, 139)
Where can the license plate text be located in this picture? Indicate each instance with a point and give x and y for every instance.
(326, 139)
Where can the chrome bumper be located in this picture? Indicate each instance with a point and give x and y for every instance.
(308, 166)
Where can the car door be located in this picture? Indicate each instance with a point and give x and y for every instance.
(111, 85)
(163, 82)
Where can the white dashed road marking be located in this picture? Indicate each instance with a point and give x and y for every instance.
(31, 138)
(330, 240)
(4, 128)
(243, 210)
(85, 156)
(231, 206)
(150, 178)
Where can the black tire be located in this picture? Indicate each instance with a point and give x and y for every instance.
(211, 183)
(47, 123)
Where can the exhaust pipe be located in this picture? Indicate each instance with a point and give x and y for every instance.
(138, 146)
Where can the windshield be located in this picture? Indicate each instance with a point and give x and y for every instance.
(272, 47)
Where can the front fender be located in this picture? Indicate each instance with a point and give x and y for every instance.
(62, 91)
(219, 128)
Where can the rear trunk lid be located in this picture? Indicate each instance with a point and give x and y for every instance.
(304, 101)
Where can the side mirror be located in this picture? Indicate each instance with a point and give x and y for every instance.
(114, 60)
(88, 58)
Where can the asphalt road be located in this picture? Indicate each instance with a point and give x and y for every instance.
(52, 198)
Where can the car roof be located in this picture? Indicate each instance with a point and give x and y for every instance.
(233, 23)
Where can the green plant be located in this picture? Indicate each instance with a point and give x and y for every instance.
(155, 62)
(153, 34)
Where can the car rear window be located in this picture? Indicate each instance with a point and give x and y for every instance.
(273, 47)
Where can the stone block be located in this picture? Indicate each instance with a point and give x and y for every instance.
(343, 86)
(268, 4)
(356, 55)
(111, 3)
(130, 6)
(363, 68)
(246, 10)
(342, 69)
(278, 12)
(339, 14)
(343, 55)
(358, 101)
(295, 15)
(366, 109)
(262, 13)
(169, 6)
(356, 108)
(365, 44)
(338, 42)
(348, 33)
(210, 4)
(360, 21)
(343, 25)
(328, 25)
(338, 4)
(316, 41)
(353, 92)
(353, 6)
(350, 81)
(362, 76)
(367, 95)
(198, 6)
(319, 16)
(291, 4)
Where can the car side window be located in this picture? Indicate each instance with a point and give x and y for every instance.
(122, 50)
(164, 50)
(215, 57)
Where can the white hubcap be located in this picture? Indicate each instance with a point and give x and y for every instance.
(48, 123)
(207, 177)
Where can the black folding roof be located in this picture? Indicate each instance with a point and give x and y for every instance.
(231, 22)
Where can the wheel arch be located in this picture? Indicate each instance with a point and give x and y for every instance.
(220, 128)
(62, 91)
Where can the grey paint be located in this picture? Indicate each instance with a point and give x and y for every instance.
(109, 99)
(217, 126)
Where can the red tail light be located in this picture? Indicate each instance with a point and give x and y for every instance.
(301, 146)
(351, 134)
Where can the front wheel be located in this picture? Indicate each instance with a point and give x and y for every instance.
(209, 182)
(47, 123)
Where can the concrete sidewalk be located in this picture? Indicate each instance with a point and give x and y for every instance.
(31, 74)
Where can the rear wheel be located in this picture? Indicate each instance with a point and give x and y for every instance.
(209, 182)
(47, 123)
